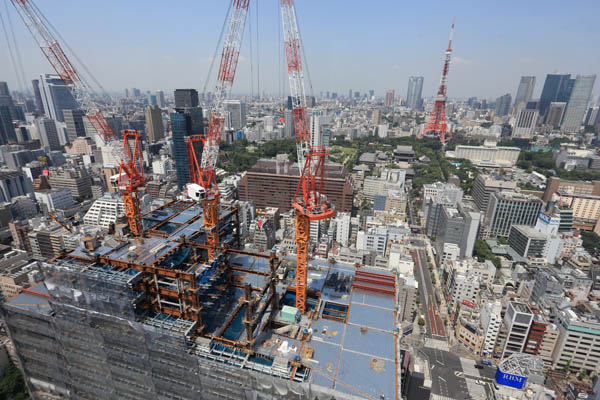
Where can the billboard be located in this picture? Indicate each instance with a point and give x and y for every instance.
(506, 379)
(544, 217)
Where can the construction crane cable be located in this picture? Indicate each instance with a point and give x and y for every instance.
(251, 58)
(10, 50)
(310, 86)
(279, 74)
(257, 54)
(66, 44)
(217, 47)
(19, 61)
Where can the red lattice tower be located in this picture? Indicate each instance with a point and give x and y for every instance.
(437, 120)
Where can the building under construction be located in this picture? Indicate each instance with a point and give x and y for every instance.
(151, 318)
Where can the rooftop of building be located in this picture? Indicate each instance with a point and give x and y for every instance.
(345, 340)
(530, 232)
(521, 307)
(516, 196)
(269, 166)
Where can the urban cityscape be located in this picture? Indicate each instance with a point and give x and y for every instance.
(293, 242)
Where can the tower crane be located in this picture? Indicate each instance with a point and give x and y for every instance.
(203, 183)
(129, 155)
(309, 200)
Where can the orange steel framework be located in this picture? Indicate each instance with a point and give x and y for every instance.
(437, 120)
(61, 223)
(131, 177)
(310, 205)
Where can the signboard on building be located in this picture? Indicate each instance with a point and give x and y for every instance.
(506, 379)
(544, 217)
(468, 303)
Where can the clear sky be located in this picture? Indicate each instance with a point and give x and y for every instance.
(350, 44)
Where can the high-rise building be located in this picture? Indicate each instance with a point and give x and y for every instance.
(39, 105)
(316, 139)
(556, 88)
(74, 119)
(591, 116)
(555, 113)
(48, 133)
(517, 320)
(389, 98)
(485, 186)
(413, 95)
(56, 97)
(186, 98)
(236, 118)
(7, 129)
(160, 99)
(491, 320)
(154, 124)
(525, 122)
(6, 100)
(525, 90)
(289, 123)
(578, 103)
(273, 182)
(181, 126)
(376, 120)
(503, 105)
(509, 208)
(77, 179)
(350, 94)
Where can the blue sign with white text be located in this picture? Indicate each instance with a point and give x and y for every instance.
(503, 378)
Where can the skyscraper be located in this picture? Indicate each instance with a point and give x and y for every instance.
(154, 125)
(389, 98)
(38, 97)
(503, 105)
(181, 125)
(525, 90)
(237, 114)
(289, 124)
(160, 98)
(56, 97)
(75, 123)
(413, 95)
(556, 88)
(578, 103)
(7, 129)
(48, 133)
(7, 100)
(186, 98)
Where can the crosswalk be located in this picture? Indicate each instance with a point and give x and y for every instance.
(436, 344)
(440, 397)
(476, 391)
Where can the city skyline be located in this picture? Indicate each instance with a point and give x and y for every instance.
(364, 49)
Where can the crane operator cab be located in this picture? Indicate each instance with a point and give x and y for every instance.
(196, 192)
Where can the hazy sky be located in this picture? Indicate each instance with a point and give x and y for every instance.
(361, 45)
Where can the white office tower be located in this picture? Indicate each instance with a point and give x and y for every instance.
(490, 322)
(315, 130)
(105, 211)
(343, 224)
(236, 111)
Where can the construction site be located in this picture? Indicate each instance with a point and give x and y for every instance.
(152, 317)
(172, 308)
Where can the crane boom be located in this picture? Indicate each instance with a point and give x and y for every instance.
(51, 48)
(309, 201)
(202, 172)
(129, 156)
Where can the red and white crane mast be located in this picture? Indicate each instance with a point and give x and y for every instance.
(309, 201)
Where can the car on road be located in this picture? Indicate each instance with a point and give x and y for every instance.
(478, 366)
(486, 362)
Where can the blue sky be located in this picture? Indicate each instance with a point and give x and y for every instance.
(361, 45)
